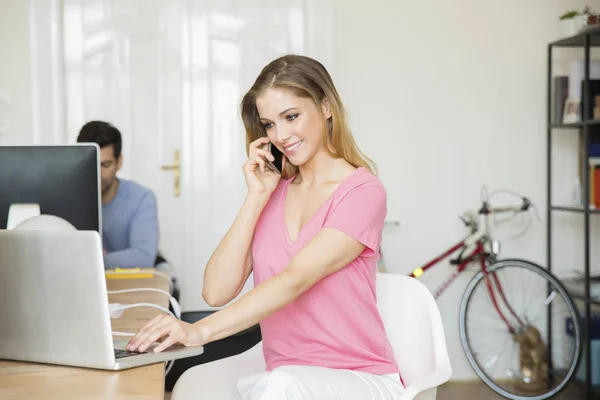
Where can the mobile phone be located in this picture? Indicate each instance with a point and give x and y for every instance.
(278, 155)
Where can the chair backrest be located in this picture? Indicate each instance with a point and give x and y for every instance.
(413, 324)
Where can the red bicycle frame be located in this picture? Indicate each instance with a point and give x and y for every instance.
(492, 282)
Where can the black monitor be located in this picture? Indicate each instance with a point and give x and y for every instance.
(63, 180)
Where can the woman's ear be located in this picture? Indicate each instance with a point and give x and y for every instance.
(325, 108)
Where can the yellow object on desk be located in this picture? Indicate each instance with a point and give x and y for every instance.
(129, 273)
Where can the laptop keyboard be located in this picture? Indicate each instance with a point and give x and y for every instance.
(126, 353)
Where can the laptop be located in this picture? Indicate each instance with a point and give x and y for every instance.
(55, 306)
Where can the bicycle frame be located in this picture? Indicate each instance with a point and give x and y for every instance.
(495, 290)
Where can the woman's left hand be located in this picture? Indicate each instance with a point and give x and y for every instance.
(168, 331)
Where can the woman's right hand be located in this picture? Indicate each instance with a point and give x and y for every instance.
(259, 177)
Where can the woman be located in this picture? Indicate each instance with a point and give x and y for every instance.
(311, 236)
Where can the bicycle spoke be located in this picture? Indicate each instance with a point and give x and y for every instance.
(541, 315)
(499, 345)
(527, 305)
(548, 300)
(492, 340)
(523, 292)
(492, 318)
(486, 330)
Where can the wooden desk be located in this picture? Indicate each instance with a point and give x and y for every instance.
(39, 381)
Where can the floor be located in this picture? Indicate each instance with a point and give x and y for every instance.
(477, 390)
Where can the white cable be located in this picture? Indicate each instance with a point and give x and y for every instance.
(127, 306)
(167, 277)
(129, 334)
(172, 300)
(139, 290)
(169, 366)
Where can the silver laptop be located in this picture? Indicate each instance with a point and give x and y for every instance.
(54, 305)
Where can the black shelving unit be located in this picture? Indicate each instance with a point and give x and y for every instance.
(584, 40)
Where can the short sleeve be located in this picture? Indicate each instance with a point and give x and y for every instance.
(361, 214)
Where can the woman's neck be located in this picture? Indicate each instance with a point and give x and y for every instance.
(322, 168)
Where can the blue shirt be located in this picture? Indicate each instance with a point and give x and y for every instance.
(130, 227)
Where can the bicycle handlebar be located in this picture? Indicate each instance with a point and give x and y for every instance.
(524, 206)
(485, 209)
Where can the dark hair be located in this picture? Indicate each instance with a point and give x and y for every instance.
(102, 133)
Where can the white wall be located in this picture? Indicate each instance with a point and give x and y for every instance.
(446, 97)
(15, 70)
(31, 72)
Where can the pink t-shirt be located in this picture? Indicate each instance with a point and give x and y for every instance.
(336, 323)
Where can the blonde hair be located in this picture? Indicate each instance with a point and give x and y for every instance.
(307, 78)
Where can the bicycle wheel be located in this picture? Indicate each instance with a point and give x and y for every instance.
(524, 361)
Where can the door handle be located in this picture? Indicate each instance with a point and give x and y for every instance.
(176, 168)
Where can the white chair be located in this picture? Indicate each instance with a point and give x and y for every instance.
(414, 328)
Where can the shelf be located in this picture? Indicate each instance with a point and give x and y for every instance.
(593, 300)
(574, 209)
(579, 39)
(575, 286)
(576, 125)
(579, 383)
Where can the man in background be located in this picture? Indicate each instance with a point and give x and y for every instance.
(129, 211)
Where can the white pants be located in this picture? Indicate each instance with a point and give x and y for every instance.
(292, 382)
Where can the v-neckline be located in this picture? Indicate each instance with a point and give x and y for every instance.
(286, 232)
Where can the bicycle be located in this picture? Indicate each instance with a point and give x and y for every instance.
(522, 361)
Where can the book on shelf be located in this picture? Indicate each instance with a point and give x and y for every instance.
(594, 176)
(561, 92)
(592, 102)
(568, 104)
(593, 164)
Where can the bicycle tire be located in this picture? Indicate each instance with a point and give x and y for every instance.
(467, 345)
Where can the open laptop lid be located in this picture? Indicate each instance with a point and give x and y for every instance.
(54, 301)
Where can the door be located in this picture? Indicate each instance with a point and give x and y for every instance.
(170, 75)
